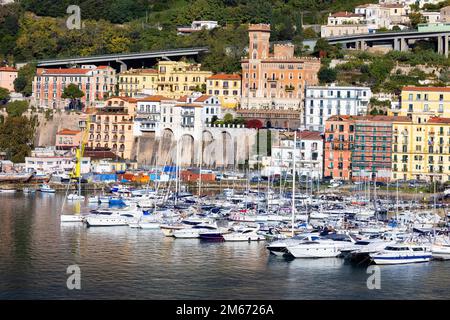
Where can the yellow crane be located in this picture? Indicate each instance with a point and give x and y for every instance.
(84, 126)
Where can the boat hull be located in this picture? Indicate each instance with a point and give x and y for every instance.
(400, 260)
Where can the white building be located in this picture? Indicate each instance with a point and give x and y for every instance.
(49, 160)
(148, 113)
(190, 112)
(198, 26)
(308, 155)
(322, 102)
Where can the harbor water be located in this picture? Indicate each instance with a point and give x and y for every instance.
(126, 263)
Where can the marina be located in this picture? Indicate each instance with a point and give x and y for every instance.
(220, 244)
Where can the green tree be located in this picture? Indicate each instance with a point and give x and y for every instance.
(309, 33)
(228, 118)
(327, 75)
(16, 108)
(73, 93)
(4, 95)
(16, 137)
(322, 47)
(415, 18)
(24, 80)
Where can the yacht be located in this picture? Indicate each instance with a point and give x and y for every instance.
(28, 190)
(278, 247)
(99, 218)
(46, 188)
(244, 234)
(72, 218)
(402, 253)
(93, 199)
(194, 232)
(75, 197)
(316, 248)
(361, 250)
(440, 249)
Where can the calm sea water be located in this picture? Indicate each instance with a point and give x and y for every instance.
(125, 263)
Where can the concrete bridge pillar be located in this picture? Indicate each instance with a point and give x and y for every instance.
(446, 46)
(123, 65)
(403, 44)
(396, 45)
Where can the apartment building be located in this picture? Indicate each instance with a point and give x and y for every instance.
(227, 87)
(138, 82)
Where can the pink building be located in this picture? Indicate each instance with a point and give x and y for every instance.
(7, 77)
(97, 83)
(67, 138)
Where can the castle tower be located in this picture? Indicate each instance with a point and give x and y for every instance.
(259, 46)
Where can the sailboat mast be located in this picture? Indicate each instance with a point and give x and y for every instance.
(293, 182)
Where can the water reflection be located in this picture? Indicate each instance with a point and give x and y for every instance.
(125, 263)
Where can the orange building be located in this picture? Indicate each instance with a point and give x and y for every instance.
(7, 77)
(273, 84)
(339, 143)
(67, 138)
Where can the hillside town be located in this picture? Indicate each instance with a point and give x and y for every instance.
(131, 117)
(254, 148)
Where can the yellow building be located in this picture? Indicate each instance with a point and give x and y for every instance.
(421, 151)
(227, 87)
(179, 78)
(135, 82)
(421, 103)
(111, 126)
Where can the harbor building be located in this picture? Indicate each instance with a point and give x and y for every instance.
(273, 84)
(137, 82)
(179, 78)
(359, 148)
(308, 155)
(68, 139)
(421, 151)
(339, 144)
(111, 126)
(421, 103)
(7, 77)
(227, 87)
(322, 102)
(97, 83)
(48, 160)
(372, 151)
(148, 113)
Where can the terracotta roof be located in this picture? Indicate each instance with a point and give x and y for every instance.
(124, 98)
(103, 67)
(102, 153)
(223, 76)
(183, 99)
(202, 98)
(155, 98)
(8, 69)
(309, 135)
(435, 89)
(439, 120)
(368, 118)
(68, 132)
(74, 71)
(392, 5)
(189, 105)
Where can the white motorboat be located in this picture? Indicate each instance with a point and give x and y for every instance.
(72, 218)
(311, 247)
(93, 199)
(194, 232)
(45, 188)
(402, 253)
(7, 190)
(278, 247)
(361, 250)
(75, 197)
(149, 225)
(440, 249)
(169, 229)
(113, 218)
(244, 234)
(28, 190)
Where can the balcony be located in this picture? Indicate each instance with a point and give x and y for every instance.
(272, 79)
(121, 131)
